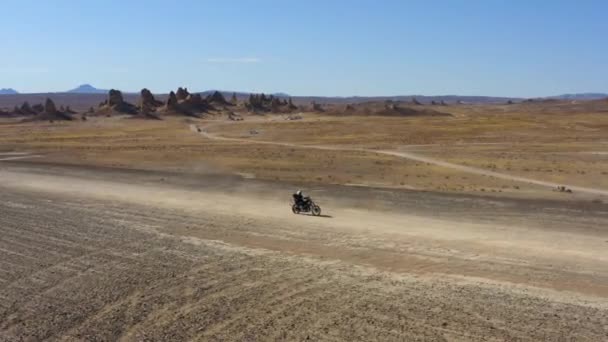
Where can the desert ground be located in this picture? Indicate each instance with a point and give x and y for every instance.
(434, 228)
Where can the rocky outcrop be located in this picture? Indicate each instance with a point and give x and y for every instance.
(383, 108)
(147, 98)
(218, 98)
(194, 99)
(49, 107)
(115, 98)
(234, 116)
(51, 113)
(147, 103)
(290, 105)
(260, 103)
(26, 109)
(276, 105)
(115, 104)
(171, 102)
(184, 103)
(182, 93)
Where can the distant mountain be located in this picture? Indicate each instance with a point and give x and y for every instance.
(361, 99)
(581, 96)
(408, 98)
(87, 89)
(8, 91)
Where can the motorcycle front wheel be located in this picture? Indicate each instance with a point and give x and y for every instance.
(294, 209)
(316, 210)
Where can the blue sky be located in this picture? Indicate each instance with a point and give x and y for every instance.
(333, 48)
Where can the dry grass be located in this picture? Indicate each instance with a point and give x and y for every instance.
(528, 140)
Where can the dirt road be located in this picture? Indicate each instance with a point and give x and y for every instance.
(90, 253)
(417, 157)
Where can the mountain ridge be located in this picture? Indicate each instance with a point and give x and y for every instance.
(86, 89)
(8, 91)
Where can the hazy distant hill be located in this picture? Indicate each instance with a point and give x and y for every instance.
(581, 96)
(8, 91)
(361, 99)
(87, 89)
(85, 96)
(410, 98)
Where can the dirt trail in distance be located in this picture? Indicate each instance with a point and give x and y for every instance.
(415, 157)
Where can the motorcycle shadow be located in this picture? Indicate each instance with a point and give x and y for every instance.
(321, 216)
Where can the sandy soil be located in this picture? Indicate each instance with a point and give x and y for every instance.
(434, 228)
(90, 253)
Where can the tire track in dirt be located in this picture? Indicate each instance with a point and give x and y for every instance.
(148, 282)
(8, 156)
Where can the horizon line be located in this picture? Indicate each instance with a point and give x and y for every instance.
(279, 93)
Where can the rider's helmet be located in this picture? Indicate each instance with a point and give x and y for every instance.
(299, 192)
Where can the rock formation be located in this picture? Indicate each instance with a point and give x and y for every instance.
(194, 99)
(147, 103)
(115, 98)
(147, 98)
(182, 93)
(276, 106)
(51, 113)
(290, 105)
(49, 107)
(184, 103)
(38, 108)
(260, 103)
(26, 109)
(116, 104)
(171, 101)
(217, 98)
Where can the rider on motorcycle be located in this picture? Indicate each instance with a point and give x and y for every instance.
(299, 198)
(304, 204)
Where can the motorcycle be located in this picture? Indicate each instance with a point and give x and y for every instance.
(307, 206)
